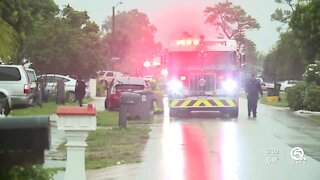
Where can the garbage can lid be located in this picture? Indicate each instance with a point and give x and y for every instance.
(25, 122)
(129, 97)
(143, 92)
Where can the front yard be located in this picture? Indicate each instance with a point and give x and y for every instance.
(108, 145)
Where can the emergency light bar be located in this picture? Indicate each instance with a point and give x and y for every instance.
(187, 42)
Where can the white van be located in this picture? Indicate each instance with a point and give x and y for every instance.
(15, 88)
(32, 77)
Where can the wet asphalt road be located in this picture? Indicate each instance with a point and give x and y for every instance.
(208, 146)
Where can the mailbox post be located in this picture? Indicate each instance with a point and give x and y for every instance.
(23, 140)
(76, 122)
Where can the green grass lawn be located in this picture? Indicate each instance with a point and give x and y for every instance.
(46, 109)
(315, 118)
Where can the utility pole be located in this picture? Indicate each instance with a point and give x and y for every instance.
(112, 46)
(113, 58)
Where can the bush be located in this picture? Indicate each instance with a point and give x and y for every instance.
(312, 73)
(312, 98)
(295, 96)
(35, 172)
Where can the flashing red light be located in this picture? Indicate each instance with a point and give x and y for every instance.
(187, 42)
(147, 64)
(183, 78)
(180, 42)
(196, 42)
(156, 63)
(164, 72)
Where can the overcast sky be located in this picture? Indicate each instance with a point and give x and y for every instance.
(173, 16)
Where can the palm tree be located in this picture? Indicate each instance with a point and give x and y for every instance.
(8, 41)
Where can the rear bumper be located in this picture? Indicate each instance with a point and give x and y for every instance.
(21, 101)
(115, 101)
(203, 104)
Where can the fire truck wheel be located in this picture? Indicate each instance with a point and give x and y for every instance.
(233, 113)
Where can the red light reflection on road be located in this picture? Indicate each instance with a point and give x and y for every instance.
(197, 158)
(172, 151)
(226, 159)
(185, 152)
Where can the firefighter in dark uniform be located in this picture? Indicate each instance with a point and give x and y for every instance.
(253, 88)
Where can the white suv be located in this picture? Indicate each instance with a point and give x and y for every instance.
(15, 88)
(108, 76)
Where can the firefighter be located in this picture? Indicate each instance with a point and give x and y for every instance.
(154, 86)
(253, 88)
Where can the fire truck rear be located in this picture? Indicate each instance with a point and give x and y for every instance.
(203, 75)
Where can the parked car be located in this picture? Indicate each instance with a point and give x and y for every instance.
(287, 84)
(51, 80)
(119, 85)
(32, 77)
(269, 85)
(263, 85)
(15, 88)
(108, 76)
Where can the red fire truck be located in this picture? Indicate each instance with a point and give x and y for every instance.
(203, 75)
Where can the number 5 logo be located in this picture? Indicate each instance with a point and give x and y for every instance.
(297, 153)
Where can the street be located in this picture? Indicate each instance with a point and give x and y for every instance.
(205, 146)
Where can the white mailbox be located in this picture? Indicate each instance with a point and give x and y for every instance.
(76, 122)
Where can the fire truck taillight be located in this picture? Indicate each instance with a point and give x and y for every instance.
(183, 78)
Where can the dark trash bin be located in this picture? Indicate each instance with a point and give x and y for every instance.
(23, 140)
(274, 91)
(144, 106)
(127, 101)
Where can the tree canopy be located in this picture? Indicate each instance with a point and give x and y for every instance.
(284, 15)
(23, 15)
(68, 44)
(305, 26)
(232, 20)
(284, 61)
(8, 41)
(134, 39)
(298, 45)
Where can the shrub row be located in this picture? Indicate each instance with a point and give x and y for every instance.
(304, 97)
